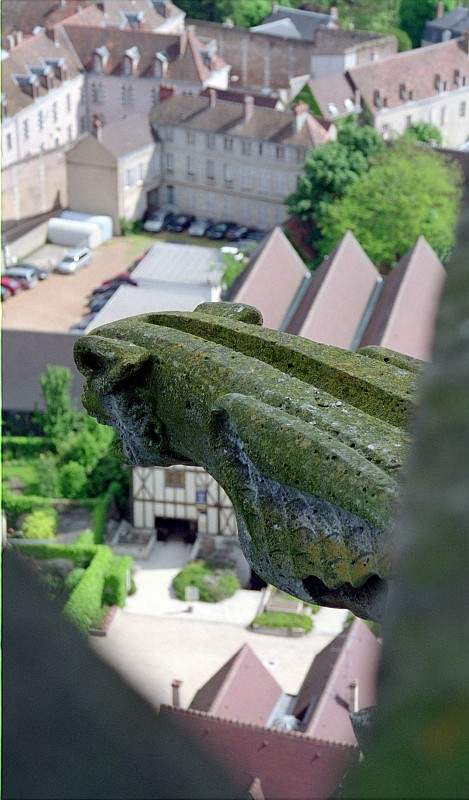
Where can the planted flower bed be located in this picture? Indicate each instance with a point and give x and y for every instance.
(282, 623)
(213, 584)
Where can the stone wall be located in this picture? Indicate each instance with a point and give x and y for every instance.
(34, 186)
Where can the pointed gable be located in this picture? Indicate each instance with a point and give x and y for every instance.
(338, 297)
(404, 317)
(243, 690)
(271, 279)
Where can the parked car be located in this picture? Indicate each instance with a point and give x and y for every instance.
(111, 286)
(82, 324)
(74, 260)
(178, 222)
(255, 235)
(41, 273)
(5, 293)
(236, 232)
(27, 277)
(97, 303)
(155, 220)
(199, 227)
(11, 284)
(218, 231)
(122, 277)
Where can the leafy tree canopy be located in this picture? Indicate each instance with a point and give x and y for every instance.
(57, 416)
(413, 14)
(410, 192)
(424, 132)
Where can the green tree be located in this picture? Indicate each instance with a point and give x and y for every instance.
(72, 480)
(413, 14)
(250, 12)
(57, 416)
(424, 132)
(411, 191)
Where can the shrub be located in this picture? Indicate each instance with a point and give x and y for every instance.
(213, 584)
(109, 469)
(279, 619)
(85, 539)
(72, 478)
(40, 524)
(48, 476)
(79, 554)
(16, 504)
(85, 602)
(100, 512)
(73, 579)
(115, 590)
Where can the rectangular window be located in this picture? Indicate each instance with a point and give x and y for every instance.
(190, 167)
(40, 120)
(190, 136)
(26, 129)
(175, 479)
(211, 170)
(246, 148)
(169, 163)
(279, 152)
(442, 115)
(227, 173)
(54, 112)
(211, 141)
(228, 143)
(69, 103)
(9, 142)
(462, 109)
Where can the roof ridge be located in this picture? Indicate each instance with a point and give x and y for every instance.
(299, 735)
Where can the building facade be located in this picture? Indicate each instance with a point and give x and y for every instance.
(43, 102)
(233, 160)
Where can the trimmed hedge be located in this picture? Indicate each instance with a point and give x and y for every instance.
(116, 581)
(85, 539)
(81, 555)
(213, 584)
(283, 619)
(16, 504)
(23, 447)
(100, 512)
(84, 604)
(40, 524)
(73, 579)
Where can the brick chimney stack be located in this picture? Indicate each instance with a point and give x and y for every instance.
(248, 107)
(440, 9)
(212, 98)
(97, 128)
(334, 12)
(176, 685)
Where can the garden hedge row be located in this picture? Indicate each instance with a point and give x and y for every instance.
(16, 504)
(85, 602)
(100, 512)
(79, 554)
(116, 580)
(23, 447)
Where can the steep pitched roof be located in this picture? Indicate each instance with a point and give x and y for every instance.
(404, 316)
(338, 296)
(325, 699)
(277, 765)
(243, 690)
(127, 135)
(33, 52)
(271, 279)
(152, 16)
(419, 70)
(457, 20)
(294, 23)
(334, 95)
(18, 15)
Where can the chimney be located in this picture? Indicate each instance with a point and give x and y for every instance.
(440, 9)
(52, 33)
(334, 12)
(212, 95)
(301, 112)
(248, 107)
(176, 685)
(18, 37)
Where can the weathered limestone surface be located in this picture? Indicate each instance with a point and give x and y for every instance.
(307, 440)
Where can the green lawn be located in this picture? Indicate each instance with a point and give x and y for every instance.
(25, 471)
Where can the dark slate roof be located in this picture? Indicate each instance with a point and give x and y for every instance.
(266, 124)
(417, 69)
(243, 690)
(32, 52)
(456, 21)
(404, 315)
(305, 23)
(127, 135)
(264, 763)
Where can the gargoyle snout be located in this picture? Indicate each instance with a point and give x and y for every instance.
(108, 363)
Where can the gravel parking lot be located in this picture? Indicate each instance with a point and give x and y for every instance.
(60, 301)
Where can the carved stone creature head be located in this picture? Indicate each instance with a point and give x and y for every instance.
(305, 439)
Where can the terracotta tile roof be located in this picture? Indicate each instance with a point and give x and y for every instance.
(25, 15)
(405, 313)
(243, 690)
(88, 16)
(152, 17)
(278, 765)
(32, 52)
(266, 124)
(417, 69)
(337, 297)
(325, 699)
(185, 62)
(271, 280)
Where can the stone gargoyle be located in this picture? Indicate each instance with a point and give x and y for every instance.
(306, 439)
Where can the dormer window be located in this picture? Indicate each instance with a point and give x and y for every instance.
(403, 92)
(44, 74)
(59, 68)
(134, 19)
(100, 58)
(377, 102)
(131, 59)
(160, 65)
(457, 77)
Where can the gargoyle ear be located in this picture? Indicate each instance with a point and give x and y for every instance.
(109, 363)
